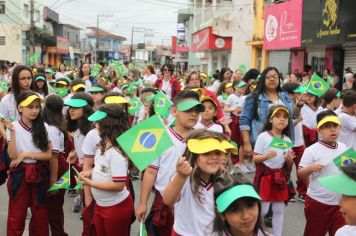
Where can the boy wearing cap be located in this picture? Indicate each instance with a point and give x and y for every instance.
(321, 206)
(208, 116)
(344, 184)
(348, 119)
(186, 110)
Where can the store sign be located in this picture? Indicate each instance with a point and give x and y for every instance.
(62, 45)
(283, 25)
(329, 21)
(205, 40)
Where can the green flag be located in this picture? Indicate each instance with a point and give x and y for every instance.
(224, 96)
(243, 68)
(145, 142)
(135, 105)
(62, 92)
(236, 146)
(162, 104)
(142, 231)
(318, 86)
(62, 182)
(346, 158)
(279, 143)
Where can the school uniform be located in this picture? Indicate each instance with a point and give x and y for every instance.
(348, 129)
(347, 230)
(271, 177)
(211, 126)
(309, 124)
(191, 217)
(227, 233)
(55, 202)
(8, 107)
(166, 167)
(27, 186)
(78, 139)
(114, 209)
(320, 199)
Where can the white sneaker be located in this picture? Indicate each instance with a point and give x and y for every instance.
(243, 168)
(251, 167)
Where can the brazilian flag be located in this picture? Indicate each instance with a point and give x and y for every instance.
(145, 142)
(135, 105)
(162, 104)
(62, 182)
(318, 86)
(346, 158)
(62, 92)
(143, 231)
(279, 143)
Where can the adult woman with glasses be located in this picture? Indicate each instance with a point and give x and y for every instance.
(167, 83)
(21, 82)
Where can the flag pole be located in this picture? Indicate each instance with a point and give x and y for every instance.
(141, 226)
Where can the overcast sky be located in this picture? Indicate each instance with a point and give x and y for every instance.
(157, 15)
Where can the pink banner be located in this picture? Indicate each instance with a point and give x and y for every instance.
(283, 25)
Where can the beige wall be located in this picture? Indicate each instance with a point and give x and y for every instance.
(12, 50)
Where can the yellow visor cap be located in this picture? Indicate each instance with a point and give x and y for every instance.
(78, 86)
(228, 146)
(201, 146)
(280, 109)
(116, 99)
(29, 100)
(333, 119)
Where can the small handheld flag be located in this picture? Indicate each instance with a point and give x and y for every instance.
(135, 105)
(318, 86)
(62, 182)
(346, 158)
(143, 231)
(243, 68)
(162, 104)
(79, 185)
(145, 142)
(279, 143)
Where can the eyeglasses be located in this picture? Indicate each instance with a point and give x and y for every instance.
(26, 78)
(272, 76)
(166, 69)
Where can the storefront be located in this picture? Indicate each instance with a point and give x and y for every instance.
(58, 54)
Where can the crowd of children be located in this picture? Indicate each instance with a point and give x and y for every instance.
(55, 122)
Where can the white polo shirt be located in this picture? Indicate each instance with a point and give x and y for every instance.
(322, 153)
(24, 141)
(262, 146)
(112, 166)
(191, 217)
(233, 100)
(57, 139)
(166, 163)
(348, 129)
(298, 135)
(78, 139)
(8, 107)
(309, 116)
(347, 230)
(212, 127)
(92, 139)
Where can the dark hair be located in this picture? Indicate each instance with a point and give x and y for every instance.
(221, 88)
(34, 86)
(261, 88)
(169, 66)
(192, 158)
(329, 96)
(84, 125)
(268, 125)
(225, 182)
(251, 74)
(52, 113)
(151, 69)
(38, 130)
(59, 66)
(113, 94)
(222, 72)
(350, 171)
(184, 95)
(349, 98)
(323, 114)
(290, 87)
(15, 85)
(189, 77)
(113, 125)
(76, 82)
(81, 75)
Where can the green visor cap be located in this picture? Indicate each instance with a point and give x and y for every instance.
(124, 86)
(188, 104)
(241, 84)
(95, 89)
(340, 183)
(40, 78)
(300, 89)
(338, 95)
(229, 196)
(98, 115)
(76, 102)
(49, 71)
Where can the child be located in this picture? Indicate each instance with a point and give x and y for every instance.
(224, 92)
(345, 184)
(56, 129)
(331, 99)
(190, 190)
(348, 120)
(147, 96)
(186, 110)
(321, 206)
(29, 150)
(98, 91)
(309, 111)
(114, 207)
(238, 207)
(208, 117)
(40, 85)
(273, 165)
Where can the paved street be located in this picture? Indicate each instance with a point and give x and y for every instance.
(293, 225)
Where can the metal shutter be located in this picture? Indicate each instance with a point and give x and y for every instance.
(280, 60)
(350, 58)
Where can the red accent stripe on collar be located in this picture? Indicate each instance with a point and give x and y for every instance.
(208, 125)
(24, 126)
(175, 134)
(313, 109)
(207, 186)
(328, 145)
(272, 135)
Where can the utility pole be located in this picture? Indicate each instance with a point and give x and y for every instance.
(97, 40)
(32, 27)
(131, 47)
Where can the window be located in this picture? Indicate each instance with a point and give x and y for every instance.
(2, 7)
(26, 10)
(2, 40)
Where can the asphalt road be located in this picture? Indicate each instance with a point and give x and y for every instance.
(294, 220)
